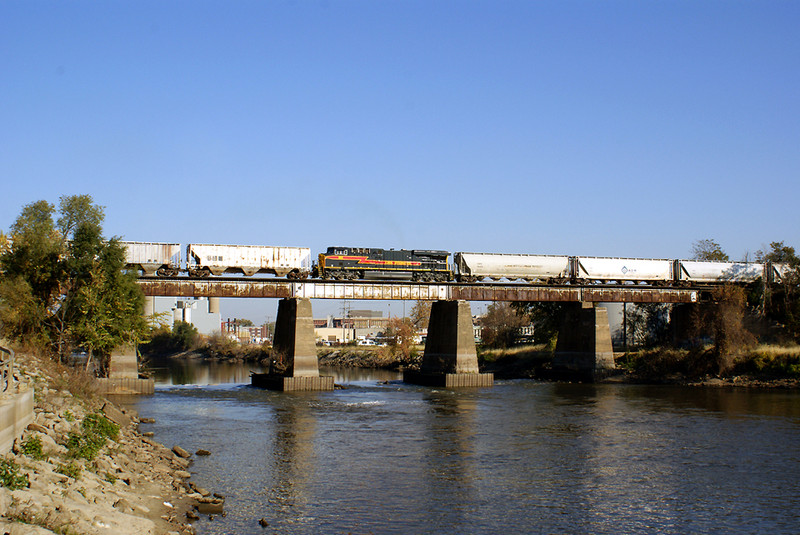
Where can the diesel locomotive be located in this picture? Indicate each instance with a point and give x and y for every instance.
(343, 263)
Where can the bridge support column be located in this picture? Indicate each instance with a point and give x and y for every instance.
(123, 374)
(583, 349)
(149, 306)
(450, 358)
(294, 351)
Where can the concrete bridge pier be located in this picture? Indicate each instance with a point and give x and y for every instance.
(450, 358)
(294, 351)
(149, 305)
(583, 350)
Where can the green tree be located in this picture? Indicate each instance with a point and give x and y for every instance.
(546, 318)
(708, 251)
(184, 335)
(62, 284)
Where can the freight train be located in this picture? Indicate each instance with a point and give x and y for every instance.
(358, 263)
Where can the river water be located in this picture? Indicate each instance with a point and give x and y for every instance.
(380, 456)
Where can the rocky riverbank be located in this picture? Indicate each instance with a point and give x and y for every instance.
(60, 478)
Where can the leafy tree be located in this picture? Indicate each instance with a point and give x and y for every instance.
(62, 284)
(546, 318)
(184, 335)
(782, 302)
(648, 324)
(399, 335)
(501, 323)
(421, 314)
(708, 251)
(77, 211)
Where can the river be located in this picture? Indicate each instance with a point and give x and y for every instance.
(380, 456)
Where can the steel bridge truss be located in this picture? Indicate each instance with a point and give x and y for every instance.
(370, 290)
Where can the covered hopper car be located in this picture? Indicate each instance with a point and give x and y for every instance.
(472, 267)
(205, 259)
(153, 258)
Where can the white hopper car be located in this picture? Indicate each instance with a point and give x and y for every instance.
(473, 267)
(204, 259)
(695, 271)
(589, 268)
(162, 259)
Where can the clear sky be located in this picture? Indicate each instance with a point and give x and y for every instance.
(567, 127)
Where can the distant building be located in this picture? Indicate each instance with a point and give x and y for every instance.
(195, 311)
(246, 334)
(357, 325)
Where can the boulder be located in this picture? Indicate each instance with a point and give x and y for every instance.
(115, 415)
(180, 452)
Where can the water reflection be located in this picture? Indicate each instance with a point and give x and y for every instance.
(291, 459)
(449, 459)
(188, 371)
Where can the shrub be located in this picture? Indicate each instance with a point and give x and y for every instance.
(96, 428)
(10, 477)
(70, 470)
(33, 448)
(100, 425)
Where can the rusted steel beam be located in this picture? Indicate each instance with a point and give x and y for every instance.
(412, 291)
(211, 288)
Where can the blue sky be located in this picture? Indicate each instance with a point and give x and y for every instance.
(571, 127)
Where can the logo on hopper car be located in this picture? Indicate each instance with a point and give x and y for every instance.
(624, 270)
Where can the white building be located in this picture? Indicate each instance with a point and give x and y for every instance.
(201, 312)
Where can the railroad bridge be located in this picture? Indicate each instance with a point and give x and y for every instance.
(450, 358)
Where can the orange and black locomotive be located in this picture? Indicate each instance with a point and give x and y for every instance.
(341, 263)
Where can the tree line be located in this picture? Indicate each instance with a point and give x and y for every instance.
(63, 286)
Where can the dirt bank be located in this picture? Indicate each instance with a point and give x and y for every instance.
(131, 485)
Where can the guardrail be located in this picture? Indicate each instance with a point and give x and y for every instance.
(6, 368)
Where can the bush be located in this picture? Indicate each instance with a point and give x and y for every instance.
(96, 428)
(33, 448)
(100, 425)
(70, 470)
(10, 477)
(770, 361)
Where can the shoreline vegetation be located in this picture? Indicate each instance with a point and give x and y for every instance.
(760, 366)
(83, 466)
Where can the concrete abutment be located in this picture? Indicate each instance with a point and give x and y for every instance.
(583, 350)
(294, 351)
(450, 357)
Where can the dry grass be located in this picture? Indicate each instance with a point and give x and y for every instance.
(60, 377)
(776, 351)
(517, 351)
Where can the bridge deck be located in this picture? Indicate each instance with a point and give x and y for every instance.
(316, 289)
